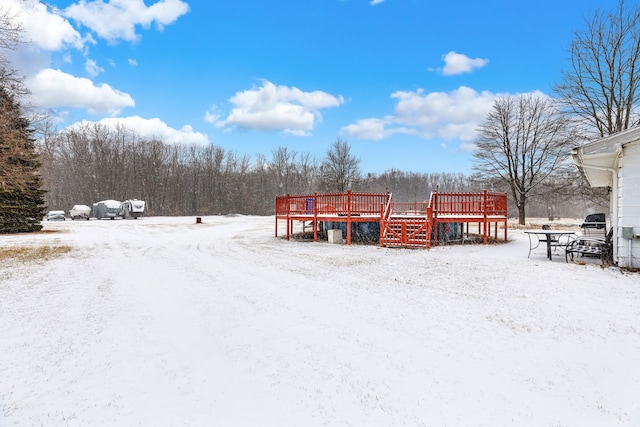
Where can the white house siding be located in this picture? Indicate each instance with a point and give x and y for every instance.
(629, 205)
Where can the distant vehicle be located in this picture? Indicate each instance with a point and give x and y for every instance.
(132, 208)
(107, 209)
(56, 216)
(80, 212)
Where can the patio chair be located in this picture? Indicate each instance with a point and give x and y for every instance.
(588, 246)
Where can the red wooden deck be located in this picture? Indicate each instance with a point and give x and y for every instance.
(401, 224)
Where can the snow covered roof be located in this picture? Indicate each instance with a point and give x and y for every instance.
(111, 203)
(598, 159)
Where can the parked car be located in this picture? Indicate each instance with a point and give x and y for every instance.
(56, 216)
(107, 209)
(80, 212)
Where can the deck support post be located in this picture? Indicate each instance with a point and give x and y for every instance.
(505, 230)
(348, 217)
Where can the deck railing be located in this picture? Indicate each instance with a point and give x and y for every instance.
(471, 204)
(349, 203)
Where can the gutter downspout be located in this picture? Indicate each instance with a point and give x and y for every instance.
(614, 203)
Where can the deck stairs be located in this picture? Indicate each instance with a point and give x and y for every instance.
(406, 233)
(405, 225)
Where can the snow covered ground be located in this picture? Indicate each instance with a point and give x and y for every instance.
(164, 322)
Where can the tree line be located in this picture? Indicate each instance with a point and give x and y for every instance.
(93, 162)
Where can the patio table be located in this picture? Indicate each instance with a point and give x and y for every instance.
(551, 237)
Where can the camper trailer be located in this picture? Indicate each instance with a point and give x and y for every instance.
(107, 209)
(132, 208)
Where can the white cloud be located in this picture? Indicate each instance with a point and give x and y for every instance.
(153, 128)
(282, 108)
(213, 116)
(92, 68)
(53, 89)
(467, 146)
(457, 63)
(117, 19)
(45, 29)
(132, 62)
(374, 2)
(373, 129)
(450, 115)
(447, 115)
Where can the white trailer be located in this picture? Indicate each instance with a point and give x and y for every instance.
(132, 208)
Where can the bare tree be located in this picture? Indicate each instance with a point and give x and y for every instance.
(340, 168)
(601, 85)
(10, 38)
(306, 173)
(283, 166)
(522, 141)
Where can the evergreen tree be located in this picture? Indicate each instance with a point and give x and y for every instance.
(21, 195)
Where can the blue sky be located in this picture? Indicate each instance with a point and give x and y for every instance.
(405, 82)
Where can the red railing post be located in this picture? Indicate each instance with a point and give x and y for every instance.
(429, 225)
(484, 217)
(315, 217)
(288, 213)
(277, 216)
(435, 208)
(382, 225)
